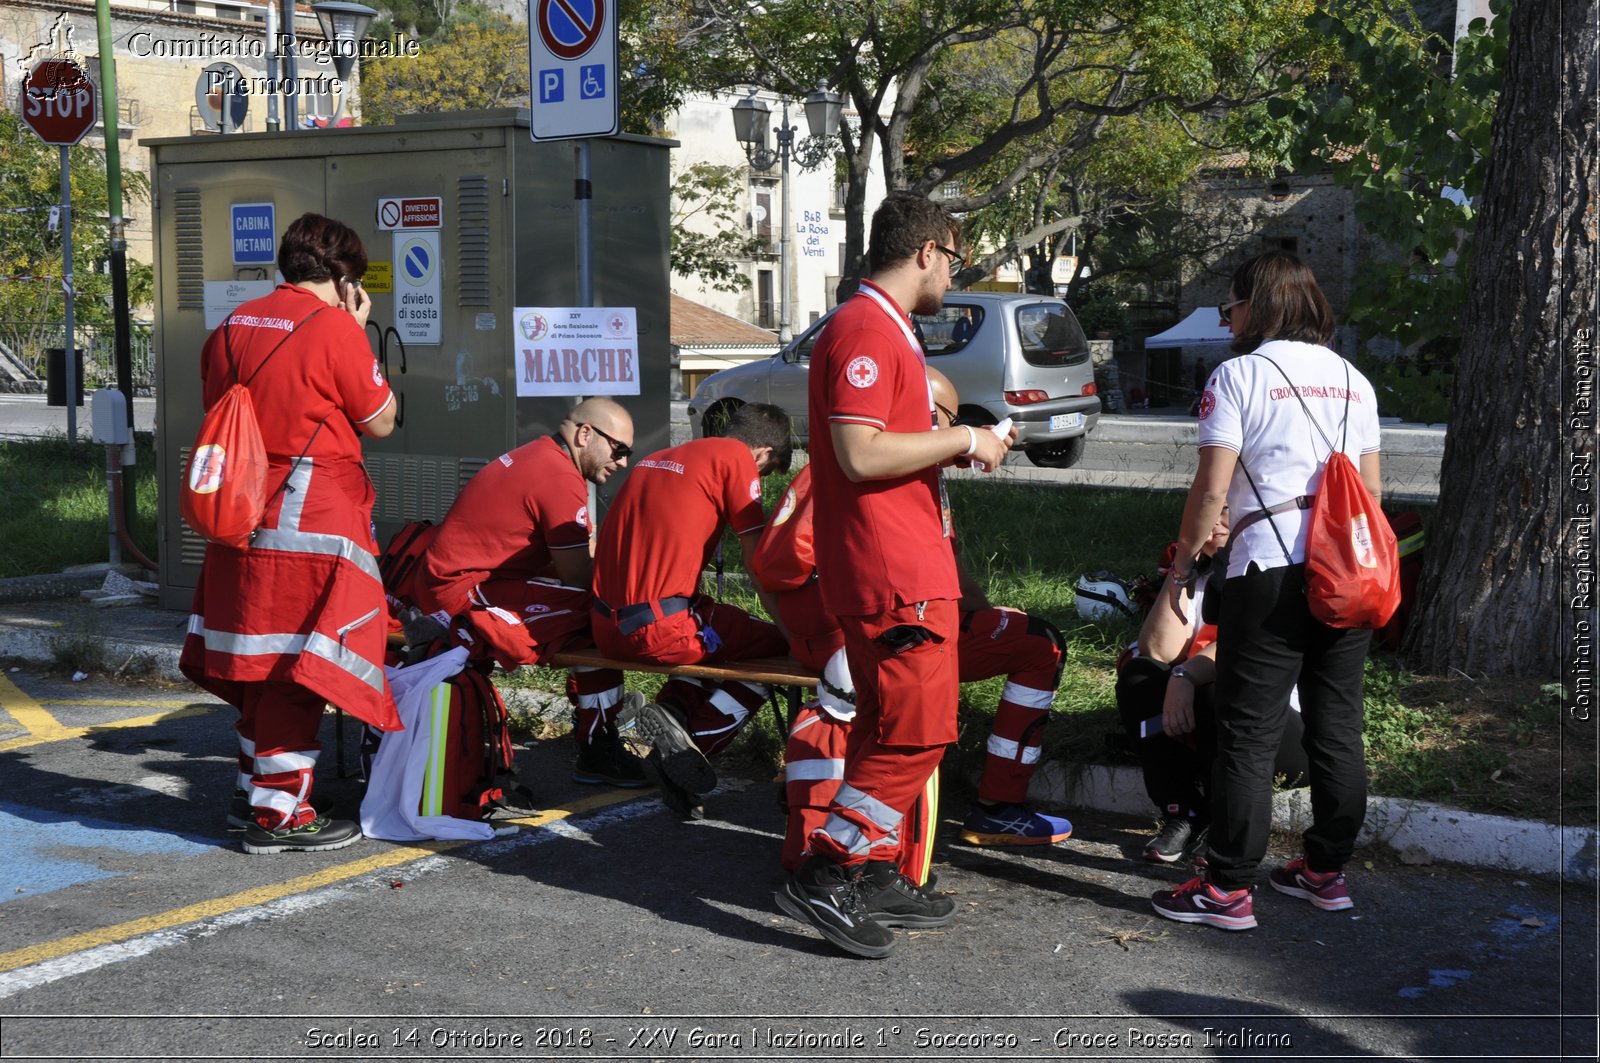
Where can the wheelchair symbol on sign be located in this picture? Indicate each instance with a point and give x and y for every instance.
(593, 83)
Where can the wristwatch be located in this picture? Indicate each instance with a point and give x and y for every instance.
(1178, 673)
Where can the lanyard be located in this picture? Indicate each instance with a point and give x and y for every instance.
(899, 319)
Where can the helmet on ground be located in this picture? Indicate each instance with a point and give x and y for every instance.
(1100, 597)
(837, 691)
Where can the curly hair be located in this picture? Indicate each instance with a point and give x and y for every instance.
(903, 222)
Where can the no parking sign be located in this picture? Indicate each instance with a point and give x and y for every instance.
(572, 53)
(418, 302)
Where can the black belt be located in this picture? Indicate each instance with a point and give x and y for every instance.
(631, 618)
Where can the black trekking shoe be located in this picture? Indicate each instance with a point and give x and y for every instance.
(607, 761)
(679, 801)
(833, 900)
(894, 900)
(321, 833)
(1171, 842)
(681, 760)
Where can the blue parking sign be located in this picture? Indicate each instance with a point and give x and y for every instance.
(255, 234)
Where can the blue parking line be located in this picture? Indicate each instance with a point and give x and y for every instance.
(48, 851)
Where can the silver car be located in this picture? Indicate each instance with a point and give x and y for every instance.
(1009, 355)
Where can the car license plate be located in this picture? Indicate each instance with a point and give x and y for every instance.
(1062, 421)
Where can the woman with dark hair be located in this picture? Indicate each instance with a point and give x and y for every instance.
(1269, 421)
(295, 620)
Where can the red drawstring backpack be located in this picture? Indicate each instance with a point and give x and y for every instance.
(224, 493)
(1352, 558)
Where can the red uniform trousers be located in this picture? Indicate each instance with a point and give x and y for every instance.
(278, 747)
(1030, 653)
(905, 673)
(709, 631)
(525, 621)
(992, 642)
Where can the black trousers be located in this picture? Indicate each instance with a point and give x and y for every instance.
(1267, 641)
(1177, 771)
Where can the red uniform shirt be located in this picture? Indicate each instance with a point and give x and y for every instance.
(505, 523)
(885, 543)
(669, 516)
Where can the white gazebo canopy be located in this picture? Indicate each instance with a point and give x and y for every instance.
(1202, 328)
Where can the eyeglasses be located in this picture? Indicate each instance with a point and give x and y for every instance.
(619, 449)
(949, 414)
(1225, 311)
(958, 261)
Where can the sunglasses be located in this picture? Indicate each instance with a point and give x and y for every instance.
(1225, 311)
(619, 449)
(958, 261)
(949, 414)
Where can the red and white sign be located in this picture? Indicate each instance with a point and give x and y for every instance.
(59, 101)
(418, 212)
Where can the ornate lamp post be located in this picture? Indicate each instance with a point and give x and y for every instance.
(343, 25)
(751, 121)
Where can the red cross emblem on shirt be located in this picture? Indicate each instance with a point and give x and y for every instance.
(862, 372)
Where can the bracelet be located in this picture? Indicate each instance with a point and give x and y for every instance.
(1180, 579)
(972, 441)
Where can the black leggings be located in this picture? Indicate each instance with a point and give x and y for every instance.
(1177, 771)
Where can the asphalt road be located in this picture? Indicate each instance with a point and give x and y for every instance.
(131, 926)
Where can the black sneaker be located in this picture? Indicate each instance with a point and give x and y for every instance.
(678, 800)
(321, 833)
(1171, 842)
(894, 900)
(681, 760)
(833, 900)
(607, 761)
(240, 814)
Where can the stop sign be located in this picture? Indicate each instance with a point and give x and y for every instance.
(58, 101)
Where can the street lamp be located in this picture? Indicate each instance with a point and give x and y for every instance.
(751, 120)
(343, 26)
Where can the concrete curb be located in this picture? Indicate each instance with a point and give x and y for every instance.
(1411, 439)
(1419, 832)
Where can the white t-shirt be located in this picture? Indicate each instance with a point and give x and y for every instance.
(1251, 409)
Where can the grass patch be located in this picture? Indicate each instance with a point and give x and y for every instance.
(55, 511)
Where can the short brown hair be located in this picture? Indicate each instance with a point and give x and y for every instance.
(903, 222)
(761, 424)
(315, 248)
(1286, 303)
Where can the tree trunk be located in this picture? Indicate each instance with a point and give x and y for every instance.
(1499, 553)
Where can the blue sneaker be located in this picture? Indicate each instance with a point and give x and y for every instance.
(1013, 825)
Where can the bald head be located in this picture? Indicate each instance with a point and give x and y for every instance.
(600, 434)
(945, 399)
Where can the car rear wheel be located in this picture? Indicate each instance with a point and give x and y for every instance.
(1063, 454)
(715, 421)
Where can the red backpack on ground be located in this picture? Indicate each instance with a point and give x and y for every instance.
(400, 559)
(224, 492)
(1352, 559)
(471, 766)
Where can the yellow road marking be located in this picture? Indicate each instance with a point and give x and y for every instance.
(123, 703)
(43, 727)
(403, 854)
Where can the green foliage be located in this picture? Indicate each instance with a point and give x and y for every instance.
(55, 514)
(1404, 120)
(713, 194)
(1407, 392)
(477, 59)
(30, 254)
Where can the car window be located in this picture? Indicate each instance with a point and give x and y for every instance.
(949, 330)
(801, 353)
(1050, 335)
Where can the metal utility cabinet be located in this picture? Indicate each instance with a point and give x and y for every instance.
(505, 237)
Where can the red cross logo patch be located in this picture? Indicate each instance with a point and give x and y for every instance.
(862, 372)
(1208, 402)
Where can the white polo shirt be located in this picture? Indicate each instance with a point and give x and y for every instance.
(1249, 407)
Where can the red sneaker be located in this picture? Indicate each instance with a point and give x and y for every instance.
(1327, 890)
(1198, 901)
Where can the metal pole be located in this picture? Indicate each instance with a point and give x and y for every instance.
(291, 102)
(785, 140)
(272, 65)
(112, 471)
(583, 192)
(71, 368)
(119, 237)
